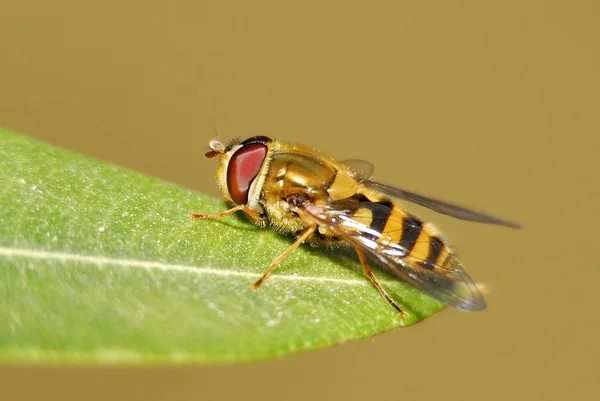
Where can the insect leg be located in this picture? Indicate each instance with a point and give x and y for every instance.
(371, 275)
(243, 208)
(303, 237)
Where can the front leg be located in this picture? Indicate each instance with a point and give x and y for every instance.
(304, 235)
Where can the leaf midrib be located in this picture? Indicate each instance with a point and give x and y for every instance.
(150, 265)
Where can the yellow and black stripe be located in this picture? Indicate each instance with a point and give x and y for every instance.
(389, 226)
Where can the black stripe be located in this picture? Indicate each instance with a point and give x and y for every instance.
(436, 246)
(380, 215)
(411, 229)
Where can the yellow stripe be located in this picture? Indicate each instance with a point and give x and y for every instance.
(392, 232)
(363, 216)
(445, 257)
(421, 248)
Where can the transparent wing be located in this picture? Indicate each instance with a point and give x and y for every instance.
(449, 283)
(440, 206)
(362, 168)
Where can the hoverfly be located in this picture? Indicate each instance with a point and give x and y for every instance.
(321, 201)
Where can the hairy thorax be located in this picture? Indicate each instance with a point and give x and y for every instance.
(296, 179)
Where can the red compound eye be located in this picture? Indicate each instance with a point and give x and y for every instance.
(243, 167)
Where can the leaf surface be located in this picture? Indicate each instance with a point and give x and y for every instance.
(99, 264)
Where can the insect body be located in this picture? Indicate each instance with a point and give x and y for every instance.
(323, 201)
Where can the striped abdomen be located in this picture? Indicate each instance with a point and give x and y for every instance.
(394, 232)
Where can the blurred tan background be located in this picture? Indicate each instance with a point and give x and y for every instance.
(490, 104)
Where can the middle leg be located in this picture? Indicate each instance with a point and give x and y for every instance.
(371, 275)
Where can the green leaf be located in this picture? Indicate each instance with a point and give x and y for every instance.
(103, 265)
